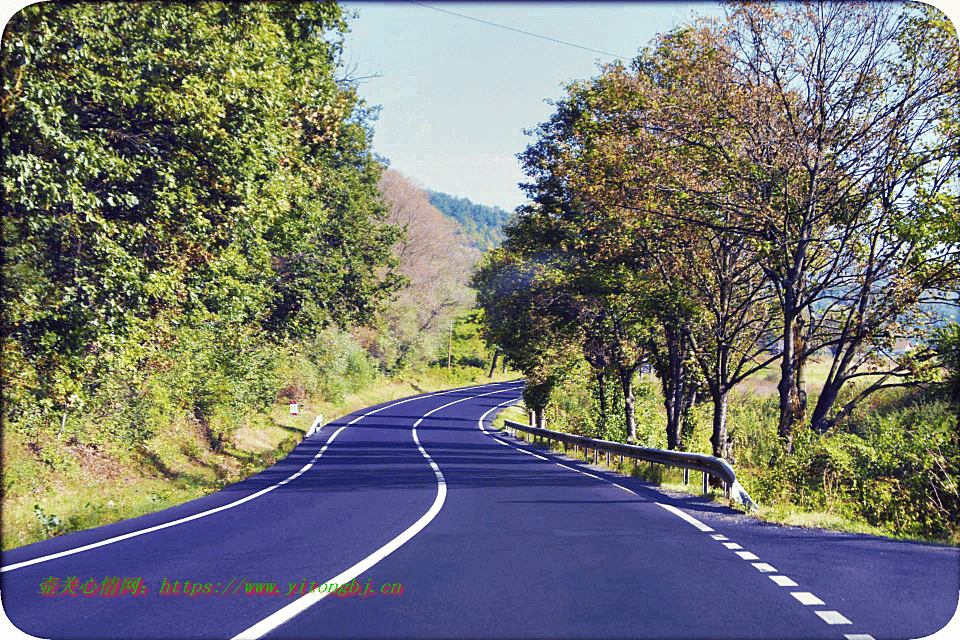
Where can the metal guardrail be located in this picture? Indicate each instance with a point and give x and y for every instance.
(707, 465)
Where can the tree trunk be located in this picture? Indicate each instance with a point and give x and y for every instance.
(626, 381)
(494, 365)
(787, 388)
(673, 388)
(720, 439)
(541, 420)
(602, 390)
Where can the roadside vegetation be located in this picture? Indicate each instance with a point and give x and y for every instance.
(888, 469)
(196, 233)
(759, 212)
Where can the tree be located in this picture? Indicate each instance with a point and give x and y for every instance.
(437, 266)
(813, 136)
(527, 317)
(167, 165)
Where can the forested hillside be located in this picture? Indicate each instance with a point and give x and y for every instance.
(480, 224)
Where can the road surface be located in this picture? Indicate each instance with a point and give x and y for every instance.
(489, 538)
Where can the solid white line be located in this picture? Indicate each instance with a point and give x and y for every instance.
(305, 601)
(672, 509)
(230, 505)
(805, 597)
(833, 617)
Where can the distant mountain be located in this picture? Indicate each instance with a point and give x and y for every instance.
(481, 225)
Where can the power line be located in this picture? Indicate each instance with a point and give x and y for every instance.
(526, 33)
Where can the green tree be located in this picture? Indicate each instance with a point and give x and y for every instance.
(179, 164)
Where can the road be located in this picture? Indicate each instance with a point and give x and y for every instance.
(489, 538)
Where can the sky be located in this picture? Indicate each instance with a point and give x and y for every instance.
(456, 94)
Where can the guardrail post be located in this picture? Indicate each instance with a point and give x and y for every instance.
(608, 458)
(596, 456)
(705, 483)
(686, 476)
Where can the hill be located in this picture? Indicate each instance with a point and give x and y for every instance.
(481, 224)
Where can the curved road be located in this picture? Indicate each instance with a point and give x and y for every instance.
(488, 537)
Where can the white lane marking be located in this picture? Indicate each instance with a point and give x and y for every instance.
(305, 601)
(230, 505)
(672, 509)
(805, 597)
(858, 636)
(833, 617)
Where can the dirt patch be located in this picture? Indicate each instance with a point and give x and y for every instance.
(96, 467)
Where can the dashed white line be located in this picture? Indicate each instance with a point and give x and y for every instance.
(805, 597)
(833, 617)
(672, 509)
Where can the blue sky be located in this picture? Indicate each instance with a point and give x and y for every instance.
(456, 94)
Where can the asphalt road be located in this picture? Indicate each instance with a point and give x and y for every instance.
(489, 538)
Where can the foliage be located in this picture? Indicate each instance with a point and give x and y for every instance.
(415, 326)
(183, 184)
(730, 198)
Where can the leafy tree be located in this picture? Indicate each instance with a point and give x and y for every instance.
(437, 265)
(526, 316)
(179, 164)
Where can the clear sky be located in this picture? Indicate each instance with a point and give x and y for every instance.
(456, 94)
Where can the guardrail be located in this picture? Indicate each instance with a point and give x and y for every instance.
(707, 465)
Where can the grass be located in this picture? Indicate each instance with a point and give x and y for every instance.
(763, 383)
